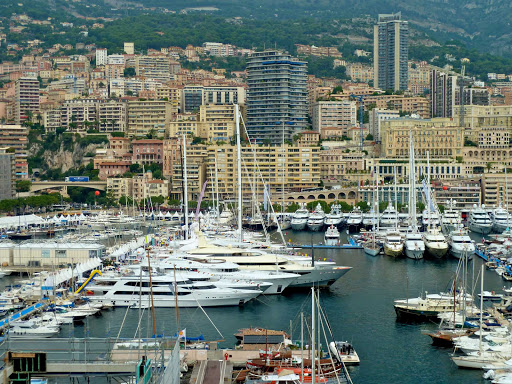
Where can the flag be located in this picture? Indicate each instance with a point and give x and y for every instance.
(182, 334)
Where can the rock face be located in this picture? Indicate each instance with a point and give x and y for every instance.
(65, 158)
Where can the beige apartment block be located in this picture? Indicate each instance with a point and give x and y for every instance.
(339, 114)
(441, 138)
(282, 168)
(145, 116)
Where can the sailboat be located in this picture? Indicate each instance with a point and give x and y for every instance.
(393, 243)
(414, 245)
(435, 243)
(371, 247)
(480, 359)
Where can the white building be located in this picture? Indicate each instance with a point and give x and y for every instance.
(129, 48)
(378, 115)
(101, 56)
(115, 59)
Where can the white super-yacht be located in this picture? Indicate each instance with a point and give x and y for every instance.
(501, 219)
(300, 219)
(435, 243)
(414, 245)
(316, 219)
(389, 218)
(355, 220)
(220, 269)
(334, 217)
(479, 220)
(393, 244)
(430, 218)
(135, 290)
(451, 219)
(461, 244)
(311, 272)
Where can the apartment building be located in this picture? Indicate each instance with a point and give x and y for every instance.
(377, 116)
(441, 138)
(339, 114)
(193, 96)
(26, 99)
(283, 168)
(153, 67)
(7, 174)
(145, 116)
(112, 116)
(360, 72)
(16, 137)
(147, 151)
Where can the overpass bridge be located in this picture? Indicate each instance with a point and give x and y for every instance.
(99, 185)
(350, 195)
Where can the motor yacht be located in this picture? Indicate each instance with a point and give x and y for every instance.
(355, 220)
(451, 219)
(332, 235)
(435, 243)
(430, 218)
(389, 218)
(500, 219)
(393, 244)
(300, 219)
(33, 328)
(315, 221)
(128, 291)
(461, 244)
(414, 245)
(479, 220)
(334, 217)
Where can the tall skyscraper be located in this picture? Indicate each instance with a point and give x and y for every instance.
(277, 96)
(7, 174)
(26, 99)
(391, 52)
(442, 94)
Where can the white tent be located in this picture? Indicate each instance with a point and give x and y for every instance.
(66, 273)
(25, 220)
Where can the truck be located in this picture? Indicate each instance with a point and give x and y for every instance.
(77, 178)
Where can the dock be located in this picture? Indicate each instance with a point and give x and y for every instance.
(29, 311)
(352, 244)
(212, 372)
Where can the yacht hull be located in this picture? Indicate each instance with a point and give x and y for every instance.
(415, 254)
(500, 227)
(298, 225)
(372, 251)
(447, 228)
(435, 251)
(483, 229)
(408, 314)
(321, 277)
(459, 254)
(315, 227)
(393, 252)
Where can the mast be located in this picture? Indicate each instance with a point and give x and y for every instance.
(429, 216)
(396, 201)
(185, 187)
(481, 304)
(302, 347)
(217, 186)
(313, 336)
(239, 171)
(412, 185)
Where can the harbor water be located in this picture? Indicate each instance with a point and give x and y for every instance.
(359, 307)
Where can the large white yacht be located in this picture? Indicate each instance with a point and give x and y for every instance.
(461, 244)
(355, 220)
(435, 243)
(300, 219)
(393, 244)
(133, 290)
(479, 220)
(451, 219)
(389, 218)
(316, 219)
(220, 269)
(320, 274)
(414, 245)
(501, 219)
(430, 218)
(334, 217)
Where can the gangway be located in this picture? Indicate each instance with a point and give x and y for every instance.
(37, 307)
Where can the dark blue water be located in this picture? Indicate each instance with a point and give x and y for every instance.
(359, 307)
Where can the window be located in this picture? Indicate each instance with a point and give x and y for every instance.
(45, 253)
(92, 253)
(60, 253)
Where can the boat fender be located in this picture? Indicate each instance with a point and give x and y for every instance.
(226, 356)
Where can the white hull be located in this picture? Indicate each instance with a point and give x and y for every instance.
(459, 253)
(416, 254)
(480, 228)
(315, 226)
(299, 225)
(474, 362)
(322, 277)
(170, 302)
(393, 251)
(372, 251)
(447, 228)
(500, 227)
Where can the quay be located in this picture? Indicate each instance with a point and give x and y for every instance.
(29, 311)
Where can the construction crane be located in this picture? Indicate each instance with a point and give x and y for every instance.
(361, 114)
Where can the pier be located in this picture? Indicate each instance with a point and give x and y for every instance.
(212, 372)
(29, 311)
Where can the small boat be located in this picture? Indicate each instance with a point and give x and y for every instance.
(444, 337)
(491, 296)
(332, 235)
(20, 235)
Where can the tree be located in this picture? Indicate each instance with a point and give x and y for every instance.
(369, 137)
(363, 205)
(23, 185)
(292, 207)
(129, 72)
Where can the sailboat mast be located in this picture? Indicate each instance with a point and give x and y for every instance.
(428, 191)
(239, 171)
(396, 201)
(185, 186)
(217, 186)
(481, 304)
(313, 336)
(301, 346)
